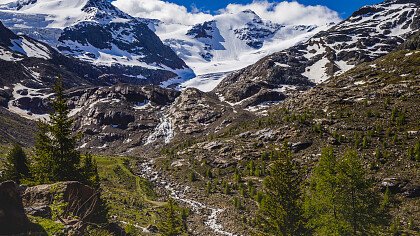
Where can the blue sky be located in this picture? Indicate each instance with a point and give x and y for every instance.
(343, 7)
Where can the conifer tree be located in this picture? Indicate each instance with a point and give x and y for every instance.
(280, 211)
(171, 223)
(16, 167)
(89, 171)
(56, 156)
(340, 200)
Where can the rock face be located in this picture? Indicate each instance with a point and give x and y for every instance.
(369, 33)
(121, 116)
(80, 200)
(12, 215)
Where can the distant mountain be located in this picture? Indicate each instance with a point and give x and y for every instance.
(369, 33)
(97, 32)
(230, 41)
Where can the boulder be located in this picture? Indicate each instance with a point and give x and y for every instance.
(152, 228)
(395, 185)
(79, 200)
(12, 214)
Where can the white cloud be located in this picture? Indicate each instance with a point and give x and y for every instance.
(164, 11)
(287, 12)
(279, 12)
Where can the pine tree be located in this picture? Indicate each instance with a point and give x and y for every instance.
(321, 203)
(16, 165)
(281, 212)
(89, 171)
(171, 223)
(340, 200)
(56, 156)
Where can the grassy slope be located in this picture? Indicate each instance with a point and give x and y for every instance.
(129, 197)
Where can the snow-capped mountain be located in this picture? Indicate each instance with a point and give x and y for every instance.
(230, 41)
(371, 32)
(99, 33)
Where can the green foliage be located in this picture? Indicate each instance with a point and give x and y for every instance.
(395, 227)
(237, 203)
(365, 142)
(414, 152)
(251, 167)
(171, 222)
(192, 177)
(317, 128)
(56, 156)
(386, 201)
(237, 176)
(259, 196)
(280, 211)
(208, 188)
(49, 226)
(340, 200)
(226, 189)
(89, 171)
(209, 174)
(16, 166)
(58, 206)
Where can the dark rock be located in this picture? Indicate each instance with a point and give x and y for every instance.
(82, 201)
(116, 230)
(152, 228)
(12, 214)
(35, 105)
(41, 211)
(411, 191)
(395, 185)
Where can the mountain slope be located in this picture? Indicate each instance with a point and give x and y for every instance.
(97, 32)
(369, 33)
(372, 108)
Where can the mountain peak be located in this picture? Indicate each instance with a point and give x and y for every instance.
(249, 11)
(6, 36)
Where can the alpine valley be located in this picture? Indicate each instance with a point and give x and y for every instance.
(193, 118)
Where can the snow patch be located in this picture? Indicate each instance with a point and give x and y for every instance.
(317, 72)
(30, 49)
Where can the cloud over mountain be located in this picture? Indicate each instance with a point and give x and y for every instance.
(280, 12)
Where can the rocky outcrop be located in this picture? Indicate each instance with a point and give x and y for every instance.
(75, 198)
(13, 220)
(119, 117)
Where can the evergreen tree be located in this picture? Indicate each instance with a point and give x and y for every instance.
(340, 200)
(89, 171)
(171, 223)
(16, 167)
(56, 156)
(280, 211)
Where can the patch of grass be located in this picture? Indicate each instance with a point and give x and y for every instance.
(130, 198)
(42, 226)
